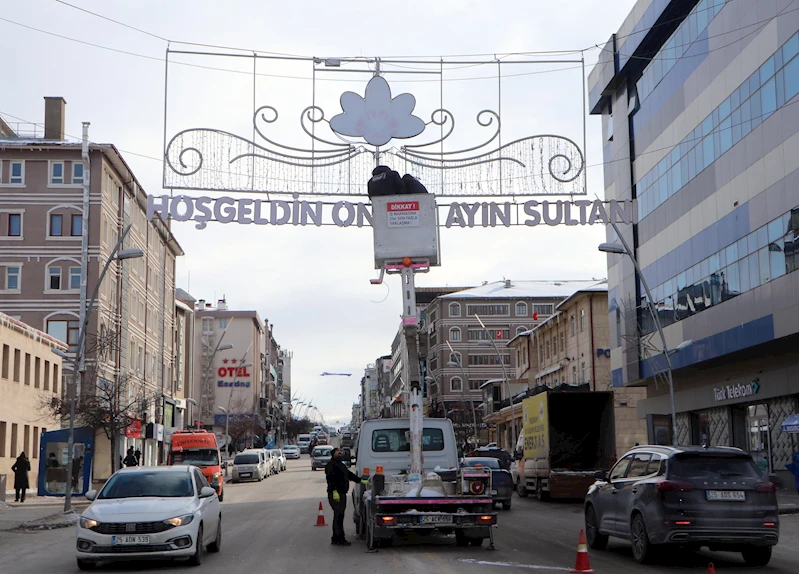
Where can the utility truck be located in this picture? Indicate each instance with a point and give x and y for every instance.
(566, 437)
(442, 497)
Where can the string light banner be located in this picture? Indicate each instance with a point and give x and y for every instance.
(333, 151)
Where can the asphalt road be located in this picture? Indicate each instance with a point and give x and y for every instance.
(270, 527)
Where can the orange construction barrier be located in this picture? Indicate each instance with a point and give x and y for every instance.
(582, 566)
(711, 569)
(320, 518)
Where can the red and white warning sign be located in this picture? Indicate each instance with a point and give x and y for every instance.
(403, 213)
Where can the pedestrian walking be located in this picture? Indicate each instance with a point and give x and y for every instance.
(21, 469)
(77, 466)
(130, 458)
(338, 485)
(137, 454)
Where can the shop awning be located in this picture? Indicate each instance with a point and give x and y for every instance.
(791, 424)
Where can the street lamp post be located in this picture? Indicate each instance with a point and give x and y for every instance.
(116, 255)
(227, 437)
(465, 381)
(624, 249)
(492, 341)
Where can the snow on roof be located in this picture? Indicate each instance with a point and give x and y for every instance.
(598, 288)
(523, 289)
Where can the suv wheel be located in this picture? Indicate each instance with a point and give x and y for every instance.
(595, 540)
(757, 555)
(643, 550)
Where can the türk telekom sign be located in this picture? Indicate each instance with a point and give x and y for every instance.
(400, 213)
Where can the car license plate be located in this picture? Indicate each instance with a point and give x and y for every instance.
(132, 540)
(246, 474)
(436, 519)
(735, 495)
(493, 493)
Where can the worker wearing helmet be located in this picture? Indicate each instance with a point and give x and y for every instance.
(338, 484)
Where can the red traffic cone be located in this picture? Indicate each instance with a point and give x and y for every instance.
(711, 569)
(582, 565)
(320, 518)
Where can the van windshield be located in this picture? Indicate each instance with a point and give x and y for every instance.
(199, 457)
(395, 440)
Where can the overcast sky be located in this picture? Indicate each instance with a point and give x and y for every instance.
(313, 283)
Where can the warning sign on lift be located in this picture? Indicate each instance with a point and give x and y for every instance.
(403, 213)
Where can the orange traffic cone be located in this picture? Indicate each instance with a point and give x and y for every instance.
(320, 518)
(582, 565)
(711, 569)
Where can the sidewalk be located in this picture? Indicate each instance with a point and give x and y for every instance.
(788, 501)
(39, 513)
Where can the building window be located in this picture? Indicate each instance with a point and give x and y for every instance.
(13, 440)
(223, 323)
(455, 358)
(15, 225)
(571, 321)
(488, 360)
(555, 345)
(12, 278)
(208, 325)
(77, 172)
(582, 374)
(455, 334)
(57, 173)
(54, 274)
(483, 335)
(35, 449)
(28, 369)
(6, 360)
(56, 225)
(74, 277)
(17, 365)
(454, 309)
(37, 372)
(17, 173)
(488, 310)
(455, 384)
(66, 331)
(563, 342)
(77, 225)
(521, 309)
(582, 320)
(544, 309)
(548, 349)
(574, 374)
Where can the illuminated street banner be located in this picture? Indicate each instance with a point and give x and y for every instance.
(347, 214)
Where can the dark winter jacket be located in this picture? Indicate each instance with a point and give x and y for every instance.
(339, 477)
(21, 468)
(130, 460)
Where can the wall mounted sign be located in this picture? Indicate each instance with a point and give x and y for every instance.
(739, 391)
(346, 214)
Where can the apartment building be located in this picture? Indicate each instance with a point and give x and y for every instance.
(42, 218)
(183, 344)
(462, 355)
(230, 368)
(30, 374)
(699, 126)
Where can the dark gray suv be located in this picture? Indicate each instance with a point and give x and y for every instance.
(688, 496)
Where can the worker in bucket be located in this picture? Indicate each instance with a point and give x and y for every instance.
(338, 484)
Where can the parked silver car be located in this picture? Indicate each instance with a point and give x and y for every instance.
(687, 496)
(280, 463)
(291, 451)
(321, 456)
(248, 466)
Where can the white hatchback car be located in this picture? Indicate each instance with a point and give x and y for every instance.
(150, 513)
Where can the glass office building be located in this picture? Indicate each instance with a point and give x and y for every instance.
(700, 127)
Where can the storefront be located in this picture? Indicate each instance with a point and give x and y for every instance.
(747, 414)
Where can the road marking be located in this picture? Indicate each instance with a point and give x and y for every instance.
(514, 565)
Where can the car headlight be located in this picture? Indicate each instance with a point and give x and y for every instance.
(180, 520)
(88, 523)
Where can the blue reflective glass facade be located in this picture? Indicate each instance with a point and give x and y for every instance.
(766, 90)
(679, 43)
(741, 265)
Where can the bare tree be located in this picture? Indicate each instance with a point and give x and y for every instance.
(106, 401)
(242, 425)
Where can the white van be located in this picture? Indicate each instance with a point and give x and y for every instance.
(303, 441)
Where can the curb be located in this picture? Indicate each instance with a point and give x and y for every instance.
(65, 522)
(788, 510)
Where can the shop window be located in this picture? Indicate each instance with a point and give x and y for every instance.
(759, 439)
(700, 428)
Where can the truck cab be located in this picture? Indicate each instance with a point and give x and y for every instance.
(199, 448)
